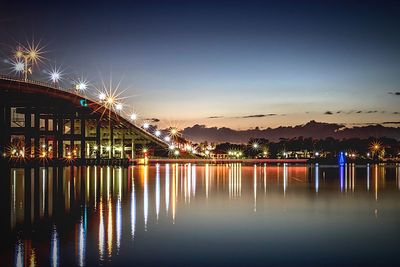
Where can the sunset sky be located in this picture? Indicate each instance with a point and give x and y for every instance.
(238, 64)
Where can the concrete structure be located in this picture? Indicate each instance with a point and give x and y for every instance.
(38, 120)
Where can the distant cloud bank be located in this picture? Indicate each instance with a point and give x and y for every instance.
(313, 129)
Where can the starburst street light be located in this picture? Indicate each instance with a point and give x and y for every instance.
(173, 131)
(255, 145)
(55, 75)
(157, 133)
(81, 84)
(146, 125)
(133, 116)
(18, 66)
(110, 98)
(29, 55)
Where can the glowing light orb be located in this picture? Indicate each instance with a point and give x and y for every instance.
(110, 100)
(133, 116)
(157, 133)
(81, 86)
(171, 147)
(167, 138)
(146, 125)
(255, 145)
(176, 152)
(18, 66)
(118, 106)
(173, 131)
(55, 75)
(102, 96)
(19, 53)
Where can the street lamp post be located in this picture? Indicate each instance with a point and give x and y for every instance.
(27, 56)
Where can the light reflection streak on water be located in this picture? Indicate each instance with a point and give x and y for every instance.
(108, 182)
(398, 175)
(95, 187)
(368, 176)
(255, 186)
(157, 190)
(265, 178)
(285, 178)
(133, 208)
(82, 239)
(239, 179)
(189, 180)
(14, 199)
(109, 228)
(174, 189)
(145, 196)
(345, 177)
(235, 180)
(207, 178)
(316, 177)
(376, 181)
(54, 248)
(32, 257)
(184, 182)
(119, 210)
(341, 177)
(194, 180)
(88, 183)
(353, 177)
(230, 181)
(19, 254)
(43, 194)
(167, 189)
(101, 231)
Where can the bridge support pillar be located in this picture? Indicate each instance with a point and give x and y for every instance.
(3, 127)
(59, 137)
(123, 144)
(111, 141)
(98, 144)
(82, 138)
(36, 134)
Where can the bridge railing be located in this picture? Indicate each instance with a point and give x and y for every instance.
(69, 90)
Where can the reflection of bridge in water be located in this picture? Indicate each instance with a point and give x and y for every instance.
(40, 121)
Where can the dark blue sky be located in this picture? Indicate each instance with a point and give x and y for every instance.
(186, 61)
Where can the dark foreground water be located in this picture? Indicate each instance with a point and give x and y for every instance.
(204, 215)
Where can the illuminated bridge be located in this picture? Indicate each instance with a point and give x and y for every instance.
(43, 122)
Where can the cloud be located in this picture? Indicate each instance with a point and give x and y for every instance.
(258, 116)
(215, 117)
(394, 93)
(396, 112)
(374, 123)
(390, 122)
(354, 111)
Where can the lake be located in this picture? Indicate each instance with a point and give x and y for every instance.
(201, 215)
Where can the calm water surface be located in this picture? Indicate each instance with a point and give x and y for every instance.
(201, 215)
